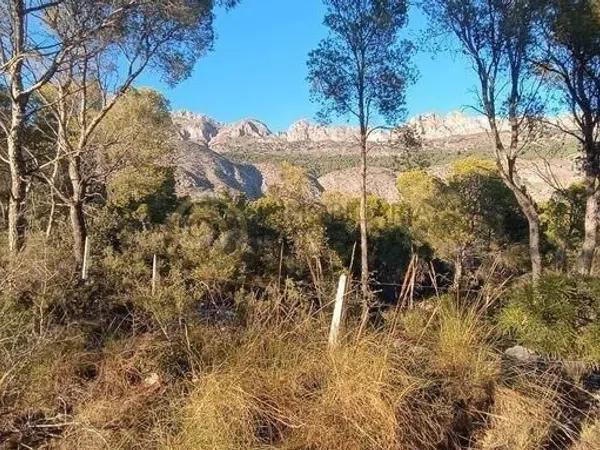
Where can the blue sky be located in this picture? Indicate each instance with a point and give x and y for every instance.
(258, 67)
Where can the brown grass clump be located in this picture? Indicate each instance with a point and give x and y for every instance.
(125, 403)
(281, 388)
(521, 419)
(589, 438)
(286, 390)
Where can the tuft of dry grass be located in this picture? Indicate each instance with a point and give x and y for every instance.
(589, 438)
(520, 419)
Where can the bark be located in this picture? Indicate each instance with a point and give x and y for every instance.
(16, 209)
(364, 250)
(588, 248)
(506, 162)
(78, 225)
(79, 232)
(16, 203)
(529, 209)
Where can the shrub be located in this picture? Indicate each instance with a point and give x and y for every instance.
(556, 316)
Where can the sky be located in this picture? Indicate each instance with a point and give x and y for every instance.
(257, 68)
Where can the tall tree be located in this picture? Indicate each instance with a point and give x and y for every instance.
(167, 35)
(570, 39)
(30, 55)
(361, 71)
(497, 37)
(77, 42)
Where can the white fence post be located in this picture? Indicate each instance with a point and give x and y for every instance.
(86, 257)
(154, 273)
(338, 312)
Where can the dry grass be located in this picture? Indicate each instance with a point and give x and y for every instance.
(520, 419)
(429, 382)
(590, 436)
(281, 388)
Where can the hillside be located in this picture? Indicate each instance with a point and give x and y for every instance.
(240, 152)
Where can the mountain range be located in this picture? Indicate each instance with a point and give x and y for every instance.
(244, 156)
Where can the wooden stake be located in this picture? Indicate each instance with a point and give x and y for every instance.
(86, 257)
(154, 273)
(338, 312)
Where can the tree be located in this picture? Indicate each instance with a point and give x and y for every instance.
(497, 38)
(167, 35)
(361, 70)
(569, 34)
(66, 42)
(464, 217)
(292, 207)
(31, 55)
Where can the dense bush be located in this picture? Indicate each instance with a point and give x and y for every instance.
(557, 316)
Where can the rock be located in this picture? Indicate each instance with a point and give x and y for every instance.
(380, 182)
(307, 131)
(196, 127)
(244, 129)
(522, 354)
(202, 172)
(446, 137)
(436, 126)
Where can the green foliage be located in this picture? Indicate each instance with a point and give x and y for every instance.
(201, 253)
(563, 219)
(291, 213)
(352, 75)
(389, 238)
(464, 217)
(141, 185)
(557, 316)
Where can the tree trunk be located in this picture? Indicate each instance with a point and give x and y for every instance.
(78, 226)
(586, 256)
(534, 245)
(533, 219)
(364, 250)
(79, 232)
(512, 180)
(16, 203)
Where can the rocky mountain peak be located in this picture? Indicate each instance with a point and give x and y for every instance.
(243, 129)
(438, 126)
(196, 127)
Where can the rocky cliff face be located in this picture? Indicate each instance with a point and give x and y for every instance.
(202, 172)
(196, 127)
(199, 128)
(208, 146)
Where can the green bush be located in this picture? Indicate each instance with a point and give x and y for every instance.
(556, 316)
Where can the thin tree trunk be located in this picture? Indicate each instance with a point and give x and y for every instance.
(78, 225)
(79, 232)
(16, 203)
(529, 210)
(586, 256)
(364, 250)
(512, 181)
(16, 215)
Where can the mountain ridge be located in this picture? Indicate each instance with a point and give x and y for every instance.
(244, 156)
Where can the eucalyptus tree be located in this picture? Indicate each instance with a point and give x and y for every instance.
(497, 37)
(569, 36)
(361, 71)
